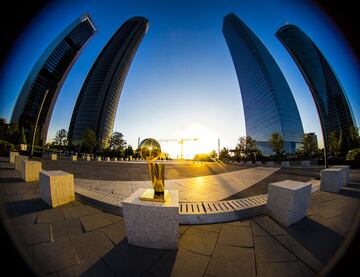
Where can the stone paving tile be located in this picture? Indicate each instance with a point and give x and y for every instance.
(208, 227)
(92, 210)
(34, 233)
(50, 215)
(31, 196)
(199, 241)
(66, 228)
(270, 225)
(114, 218)
(268, 250)
(183, 229)
(236, 236)
(91, 244)
(330, 212)
(241, 222)
(91, 267)
(95, 221)
(54, 256)
(307, 271)
(164, 265)
(75, 211)
(286, 269)
(257, 230)
(24, 219)
(185, 263)
(115, 232)
(128, 260)
(232, 261)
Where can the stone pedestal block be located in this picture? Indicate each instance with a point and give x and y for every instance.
(241, 162)
(288, 201)
(269, 163)
(56, 187)
(18, 160)
(258, 163)
(249, 162)
(98, 159)
(121, 159)
(285, 164)
(49, 156)
(130, 158)
(88, 158)
(152, 224)
(305, 163)
(115, 159)
(12, 155)
(74, 158)
(331, 179)
(107, 159)
(346, 173)
(30, 170)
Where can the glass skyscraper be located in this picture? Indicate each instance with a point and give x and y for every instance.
(330, 99)
(269, 105)
(36, 101)
(96, 105)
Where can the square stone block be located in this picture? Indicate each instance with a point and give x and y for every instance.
(88, 158)
(107, 159)
(30, 170)
(130, 158)
(305, 163)
(12, 155)
(18, 160)
(269, 163)
(74, 158)
(56, 187)
(98, 159)
(152, 224)
(121, 159)
(241, 162)
(249, 162)
(258, 163)
(49, 156)
(331, 179)
(288, 201)
(346, 173)
(285, 164)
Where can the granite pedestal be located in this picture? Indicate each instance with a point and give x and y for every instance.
(285, 164)
(30, 170)
(18, 160)
(331, 179)
(346, 173)
(258, 163)
(241, 162)
(98, 159)
(49, 156)
(115, 159)
(152, 224)
(269, 163)
(249, 162)
(88, 158)
(56, 187)
(12, 155)
(74, 158)
(107, 159)
(288, 201)
(305, 163)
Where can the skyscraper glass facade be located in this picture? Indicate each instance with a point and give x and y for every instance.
(269, 105)
(96, 105)
(37, 98)
(330, 99)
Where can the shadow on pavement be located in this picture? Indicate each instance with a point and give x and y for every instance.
(127, 260)
(24, 207)
(10, 180)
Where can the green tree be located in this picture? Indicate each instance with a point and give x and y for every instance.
(117, 142)
(129, 151)
(354, 138)
(276, 142)
(3, 128)
(22, 136)
(88, 141)
(224, 154)
(310, 146)
(60, 139)
(335, 142)
(246, 147)
(13, 134)
(213, 154)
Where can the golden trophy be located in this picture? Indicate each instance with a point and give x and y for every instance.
(150, 151)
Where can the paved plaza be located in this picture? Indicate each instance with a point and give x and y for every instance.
(78, 239)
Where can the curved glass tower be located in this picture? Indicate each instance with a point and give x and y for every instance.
(96, 105)
(36, 101)
(330, 99)
(269, 105)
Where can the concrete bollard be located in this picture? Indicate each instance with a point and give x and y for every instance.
(249, 162)
(107, 159)
(12, 155)
(285, 164)
(18, 160)
(305, 163)
(270, 163)
(74, 158)
(331, 179)
(258, 163)
(346, 173)
(30, 170)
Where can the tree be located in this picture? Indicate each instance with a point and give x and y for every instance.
(129, 151)
(310, 146)
(88, 140)
(246, 147)
(213, 154)
(117, 142)
(3, 128)
(60, 139)
(13, 134)
(224, 154)
(335, 141)
(277, 144)
(22, 136)
(354, 138)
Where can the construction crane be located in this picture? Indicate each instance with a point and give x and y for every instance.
(181, 142)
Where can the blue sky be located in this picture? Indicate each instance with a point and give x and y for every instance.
(183, 65)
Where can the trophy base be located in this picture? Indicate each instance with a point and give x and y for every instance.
(149, 195)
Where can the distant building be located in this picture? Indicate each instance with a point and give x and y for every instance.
(269, 105)
(99, 96)
(330, 99)
(36, 101)
(314, 139)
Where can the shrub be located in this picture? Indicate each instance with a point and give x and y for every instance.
(353, 154)
(6, 146)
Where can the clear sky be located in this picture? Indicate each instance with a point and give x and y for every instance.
(183, 65)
